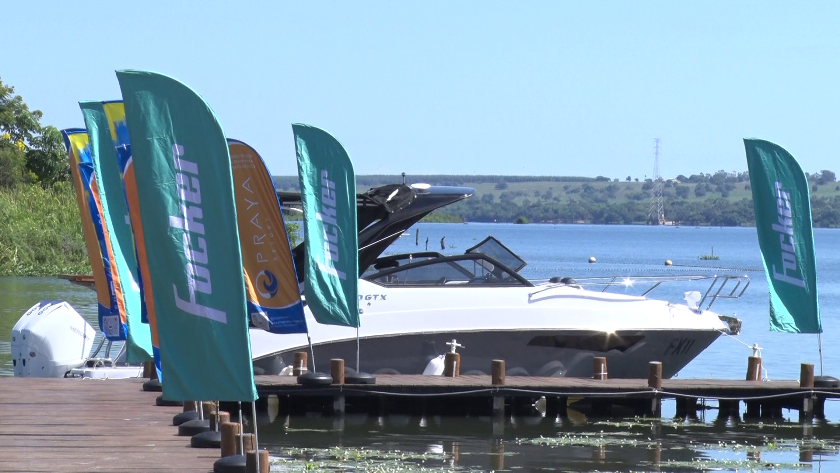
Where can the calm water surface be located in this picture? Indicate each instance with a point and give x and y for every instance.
(406, 444)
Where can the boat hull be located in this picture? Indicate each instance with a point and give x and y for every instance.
(528, 352)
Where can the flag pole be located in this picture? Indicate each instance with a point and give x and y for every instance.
(819, 345)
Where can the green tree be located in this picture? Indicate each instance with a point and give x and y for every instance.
(47, 158)
(27, 150)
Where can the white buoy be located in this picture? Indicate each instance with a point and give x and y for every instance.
(591, 259)
(668, 262)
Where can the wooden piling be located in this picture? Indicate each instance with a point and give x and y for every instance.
(223, 417)
(251, 461)
(247, 442)
(452, 365)
(337, 370)
(806, 375)
(497, 372)
(208, 407)
(149, 370)
(301, 363)
(754, 368)
(655, 375)
(599, 368)
(806, 380)
(190, 406)
(229, 443)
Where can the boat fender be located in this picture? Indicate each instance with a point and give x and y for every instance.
(360, 378)
(826, 382)
(435, 366)
(315, 379)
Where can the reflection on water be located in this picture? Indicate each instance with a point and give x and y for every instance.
(363, 442)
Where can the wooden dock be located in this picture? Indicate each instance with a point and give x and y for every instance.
(82, 425)
(477, 395)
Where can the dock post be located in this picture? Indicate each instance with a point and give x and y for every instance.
(497, 378)
(655, 383)
(301, 363)
(251, 461)
(753, 374)
(599, 368)
(452, 365)
(337, 373)
(754, 368)
(727, 408)
(247, 442)
(337, 370)
(806, 380)
(229, 432)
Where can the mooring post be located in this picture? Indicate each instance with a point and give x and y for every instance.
(149, 370)
(337, 373)
(337, 370)
(497, 378)
(301, 363)
(251, 461)
(223, 417)
(754, 368)
(599, 368)
(229, 443)
(452, 365)
(247, 443)
(806, 380)
(655, 382)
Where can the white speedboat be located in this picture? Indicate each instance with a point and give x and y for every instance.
(413, 305)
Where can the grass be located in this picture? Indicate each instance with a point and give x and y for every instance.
(41, 232)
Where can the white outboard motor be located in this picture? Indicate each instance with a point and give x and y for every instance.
(49, 340)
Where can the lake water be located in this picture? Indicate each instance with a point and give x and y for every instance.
(408, 444)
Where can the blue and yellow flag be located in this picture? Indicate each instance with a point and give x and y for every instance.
(78, 152)
(271, 284)
(115, 114)
(786, 237)
(183, 173)
(117, 230)
(111, 313)
(328, 195)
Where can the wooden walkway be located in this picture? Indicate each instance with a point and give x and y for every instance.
(82, 425)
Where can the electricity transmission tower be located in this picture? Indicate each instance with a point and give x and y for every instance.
(656, 214)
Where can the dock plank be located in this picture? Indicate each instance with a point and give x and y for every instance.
(81, 425)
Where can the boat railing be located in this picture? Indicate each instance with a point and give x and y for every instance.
(720, 287)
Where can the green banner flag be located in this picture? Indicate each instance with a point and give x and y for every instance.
(185, 189)
(785, 236)
(328, 196)
(115, 219)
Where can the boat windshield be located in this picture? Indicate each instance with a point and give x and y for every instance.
(461, 270)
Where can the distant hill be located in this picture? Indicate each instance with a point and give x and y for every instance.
(700, 199)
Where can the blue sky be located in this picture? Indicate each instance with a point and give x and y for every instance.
(525, 88)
